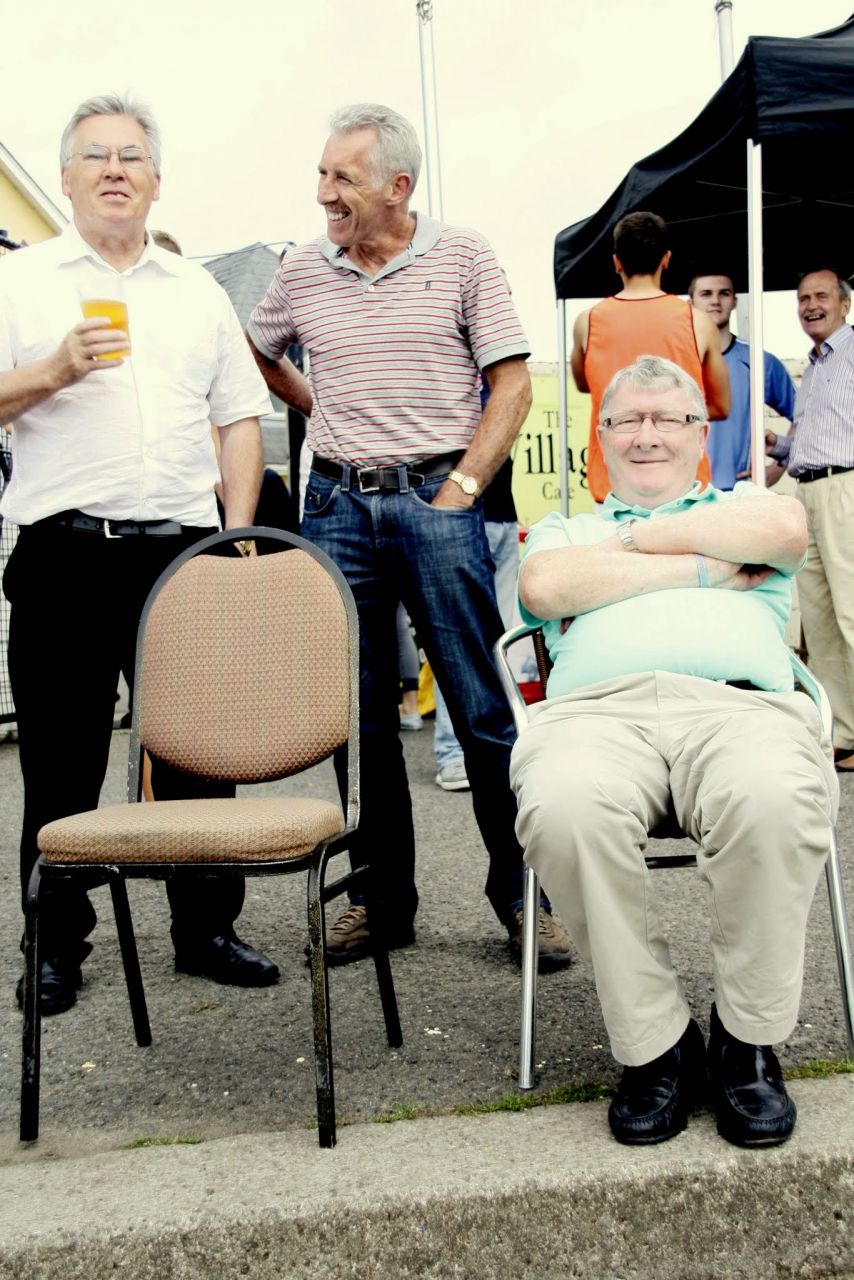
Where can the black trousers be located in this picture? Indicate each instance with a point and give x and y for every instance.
(76, 599)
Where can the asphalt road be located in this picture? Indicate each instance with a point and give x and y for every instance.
(227, 1061)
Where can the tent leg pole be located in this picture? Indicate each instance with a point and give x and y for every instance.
(563, 416)
(757, 341)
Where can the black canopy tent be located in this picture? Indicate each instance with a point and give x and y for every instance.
(776, 140)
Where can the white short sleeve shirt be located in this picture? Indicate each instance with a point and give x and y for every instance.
(132, 442)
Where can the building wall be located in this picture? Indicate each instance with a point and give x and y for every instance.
(18, 217)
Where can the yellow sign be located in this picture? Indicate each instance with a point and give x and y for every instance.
(536, 470)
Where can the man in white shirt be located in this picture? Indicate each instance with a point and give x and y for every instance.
(113, 476)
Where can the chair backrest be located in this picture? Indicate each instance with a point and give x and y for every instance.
(246, 666)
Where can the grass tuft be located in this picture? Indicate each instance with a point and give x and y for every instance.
(162, 1142)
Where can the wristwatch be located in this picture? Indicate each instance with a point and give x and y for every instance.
(468, 484)
(624, 533)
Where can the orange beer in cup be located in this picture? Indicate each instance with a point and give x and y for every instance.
(116, 312)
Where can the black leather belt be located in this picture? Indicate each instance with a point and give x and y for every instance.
(114, 528)
(387, 479)
(820, 473)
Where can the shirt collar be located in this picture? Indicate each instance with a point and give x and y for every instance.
(838, 338)
(425, 236)
(613, 508)
(72, 247)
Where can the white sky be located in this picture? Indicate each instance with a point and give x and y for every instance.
(543, 106)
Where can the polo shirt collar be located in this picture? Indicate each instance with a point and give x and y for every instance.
(425, 236)
(613, 508)
(837, 339)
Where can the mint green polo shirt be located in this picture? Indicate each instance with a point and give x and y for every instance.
(694, 631)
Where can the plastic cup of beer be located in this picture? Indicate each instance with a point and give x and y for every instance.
(115, 310)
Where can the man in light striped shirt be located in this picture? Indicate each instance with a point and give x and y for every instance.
(400, 315)
(819, 453)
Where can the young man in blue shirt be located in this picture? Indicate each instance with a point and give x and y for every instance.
(728, 445)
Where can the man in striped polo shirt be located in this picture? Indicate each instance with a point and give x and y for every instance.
(819, 453)
(400, 314)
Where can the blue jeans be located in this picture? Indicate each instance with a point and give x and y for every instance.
(503, 539)
(396, 547)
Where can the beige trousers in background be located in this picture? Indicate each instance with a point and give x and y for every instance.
(751, 784)
(826, 594)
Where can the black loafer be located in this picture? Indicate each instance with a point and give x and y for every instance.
(653, 1101)
(747, 1090)
(227, 960)
(60, 983)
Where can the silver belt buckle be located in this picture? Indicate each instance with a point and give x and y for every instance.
(108, 533)
(369, 488)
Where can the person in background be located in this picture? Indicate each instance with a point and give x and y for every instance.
(643, 320)
(729, 439)
(819, 453)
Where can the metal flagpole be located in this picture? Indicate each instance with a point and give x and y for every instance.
(429, 108)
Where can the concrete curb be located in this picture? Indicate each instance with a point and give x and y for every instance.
(535, 1195)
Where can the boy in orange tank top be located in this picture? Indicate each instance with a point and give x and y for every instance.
(643, 320)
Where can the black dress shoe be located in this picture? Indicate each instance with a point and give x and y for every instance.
(228, 960)
(653, 1101)
(747, 1090)
(60, 983)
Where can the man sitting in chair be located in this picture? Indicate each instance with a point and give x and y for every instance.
(673, 685)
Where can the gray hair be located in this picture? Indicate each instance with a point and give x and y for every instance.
(397, 149)
(113, 104)
(648, 373)
(842, 284)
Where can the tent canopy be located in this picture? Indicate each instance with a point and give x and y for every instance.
(796, 97)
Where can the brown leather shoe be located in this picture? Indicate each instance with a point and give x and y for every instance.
(348, 938)
(553, 950)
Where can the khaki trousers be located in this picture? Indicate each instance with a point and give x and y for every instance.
(826, 594)
(750, 783)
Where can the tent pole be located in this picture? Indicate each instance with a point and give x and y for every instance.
(562, 414)
(723, 9)
(757, 341)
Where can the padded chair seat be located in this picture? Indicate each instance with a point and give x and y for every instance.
(241, 830)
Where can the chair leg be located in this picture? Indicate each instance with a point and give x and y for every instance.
(839, 917)
(528, 1025)
(130, 959)
(385, 982)
(320, 1006)
(31, 1055)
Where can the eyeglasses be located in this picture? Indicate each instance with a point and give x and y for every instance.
(128, 157)
(664, 420)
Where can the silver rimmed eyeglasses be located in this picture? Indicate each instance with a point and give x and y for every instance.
(662, 419)
(128, 157)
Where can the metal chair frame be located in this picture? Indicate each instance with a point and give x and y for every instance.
(833, 866)
(315, 863)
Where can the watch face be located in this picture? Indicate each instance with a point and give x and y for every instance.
(469, 484)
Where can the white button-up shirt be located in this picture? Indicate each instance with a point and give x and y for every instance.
(132, 442)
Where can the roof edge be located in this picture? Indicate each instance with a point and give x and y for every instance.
(28, 187)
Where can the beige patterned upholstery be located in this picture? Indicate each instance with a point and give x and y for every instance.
(248, 830)
(206, 692)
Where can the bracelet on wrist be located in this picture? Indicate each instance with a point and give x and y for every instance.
(702, 570)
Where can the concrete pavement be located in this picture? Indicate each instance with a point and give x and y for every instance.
(545, 1193)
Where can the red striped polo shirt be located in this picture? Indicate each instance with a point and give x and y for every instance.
(394, 358)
